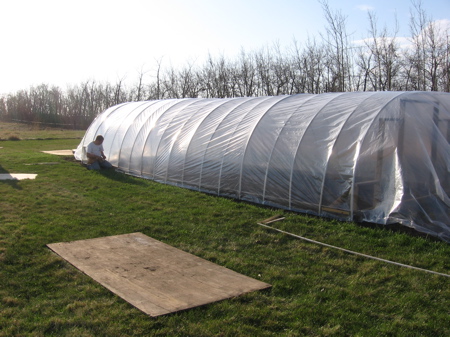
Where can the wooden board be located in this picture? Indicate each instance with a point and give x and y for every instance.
(60, 152)
(17, 176)
(154, 277)
(45, 163)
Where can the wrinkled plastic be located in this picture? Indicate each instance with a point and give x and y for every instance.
(379, 157)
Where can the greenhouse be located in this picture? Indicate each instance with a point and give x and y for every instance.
(378, 157)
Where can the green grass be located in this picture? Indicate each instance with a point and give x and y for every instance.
(316, 291)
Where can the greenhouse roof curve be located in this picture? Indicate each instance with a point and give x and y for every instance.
(380, 157)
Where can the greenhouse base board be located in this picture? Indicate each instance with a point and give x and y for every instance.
(152, 276)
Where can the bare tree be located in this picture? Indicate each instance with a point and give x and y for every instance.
(445, 70)
(283, 76)
(338, 51)
(138, 92)
(158, 79)
(244, 75)
(189, 84)
(3, 109)
(120, 93)
(385, 55)
(216, 77)
(171, 83)
(264, 68)
(363, 65)
(310, 64)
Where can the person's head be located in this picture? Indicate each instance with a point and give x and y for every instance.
(99, 139)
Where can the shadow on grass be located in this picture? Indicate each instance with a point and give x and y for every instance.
(13, 183)
(398, 228)
(113, 174)
(119, 176)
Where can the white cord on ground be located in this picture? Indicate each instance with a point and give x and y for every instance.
(350, 251)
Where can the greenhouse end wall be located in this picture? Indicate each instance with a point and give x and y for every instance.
(380, 157)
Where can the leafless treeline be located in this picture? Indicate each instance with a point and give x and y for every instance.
(74, 108)
(380, 62)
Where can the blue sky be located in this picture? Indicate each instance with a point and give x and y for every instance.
(66, 42)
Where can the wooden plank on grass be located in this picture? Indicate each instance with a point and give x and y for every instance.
(60, 152)
(17, 176)
(153, 276)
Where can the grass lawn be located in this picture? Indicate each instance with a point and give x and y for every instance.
(317, 291)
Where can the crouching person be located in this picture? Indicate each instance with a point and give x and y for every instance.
(96, 157)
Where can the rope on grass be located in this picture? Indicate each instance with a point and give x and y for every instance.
(276, 218)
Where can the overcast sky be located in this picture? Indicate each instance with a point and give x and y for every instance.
(66, 42)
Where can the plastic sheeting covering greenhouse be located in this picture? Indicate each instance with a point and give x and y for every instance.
(380, 157)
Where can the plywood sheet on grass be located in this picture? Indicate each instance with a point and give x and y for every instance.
(17, 176)
(60, 152)
(153, 276)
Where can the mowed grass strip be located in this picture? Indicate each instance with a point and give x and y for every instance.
(316, 291)
(21, 131)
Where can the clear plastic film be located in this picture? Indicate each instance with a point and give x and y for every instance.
(380, 157)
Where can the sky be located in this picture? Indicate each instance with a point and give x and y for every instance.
(67, 42)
